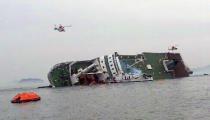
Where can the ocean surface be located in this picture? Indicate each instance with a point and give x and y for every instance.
(177, 99)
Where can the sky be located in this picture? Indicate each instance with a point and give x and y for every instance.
(29, 46)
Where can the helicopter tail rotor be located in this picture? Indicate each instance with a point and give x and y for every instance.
(67, 26)
(55, 27)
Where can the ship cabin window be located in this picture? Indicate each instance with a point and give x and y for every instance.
(110, 57)
(101, 61)
(103, 66)
(112, 68)
(111, 65)
(110, 61)
(114, 73)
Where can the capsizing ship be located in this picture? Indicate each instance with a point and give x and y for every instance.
(116, 68)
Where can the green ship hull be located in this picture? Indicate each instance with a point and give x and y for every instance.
(119, 68)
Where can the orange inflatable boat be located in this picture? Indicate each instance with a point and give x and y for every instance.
(25, 97)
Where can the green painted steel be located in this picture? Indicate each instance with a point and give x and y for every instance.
(59, 76)
(156, 61)
(153, 59)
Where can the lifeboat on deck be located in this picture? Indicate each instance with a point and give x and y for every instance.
(25, 97)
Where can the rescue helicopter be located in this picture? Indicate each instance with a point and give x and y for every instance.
(172, 48)
(61, 28)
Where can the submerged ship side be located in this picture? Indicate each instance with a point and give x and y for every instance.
(119, 68)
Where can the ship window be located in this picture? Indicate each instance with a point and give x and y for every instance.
(112, 68)
(114, 73)
(103, 66)
(110, 61)
(110, 57)
(101, 61)
(111, 65)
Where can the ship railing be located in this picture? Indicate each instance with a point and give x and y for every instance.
(165, 66)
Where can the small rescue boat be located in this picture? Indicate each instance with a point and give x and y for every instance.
(25, 97)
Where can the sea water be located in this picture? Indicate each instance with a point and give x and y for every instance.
(177, 99)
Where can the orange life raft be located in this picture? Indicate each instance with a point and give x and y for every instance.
(25, 97)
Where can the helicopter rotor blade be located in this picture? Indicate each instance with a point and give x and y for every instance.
(67, 26)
